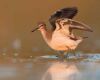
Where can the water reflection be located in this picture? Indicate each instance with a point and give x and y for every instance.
(45, 69)
(62, 71)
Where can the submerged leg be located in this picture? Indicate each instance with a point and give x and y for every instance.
(66, 55)
(74, 53)
(61, 55)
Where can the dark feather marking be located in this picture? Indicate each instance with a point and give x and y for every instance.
(69, 13)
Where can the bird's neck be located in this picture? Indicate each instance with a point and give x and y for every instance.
(47, 35)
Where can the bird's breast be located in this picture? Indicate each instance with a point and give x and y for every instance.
(62, 42)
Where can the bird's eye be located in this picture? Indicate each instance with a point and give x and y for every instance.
(41, 25)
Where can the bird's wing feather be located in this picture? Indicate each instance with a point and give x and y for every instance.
(79, 25)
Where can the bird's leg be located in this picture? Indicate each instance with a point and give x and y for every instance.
(66, 53)
(61, 55)
(74, 53)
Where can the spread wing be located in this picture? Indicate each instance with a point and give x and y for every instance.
(79, 25)
(68, 12)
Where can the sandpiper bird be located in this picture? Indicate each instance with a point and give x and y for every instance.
(61, 37)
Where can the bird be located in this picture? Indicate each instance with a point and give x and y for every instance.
(61, 37)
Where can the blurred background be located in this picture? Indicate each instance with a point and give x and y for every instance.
(19, 17)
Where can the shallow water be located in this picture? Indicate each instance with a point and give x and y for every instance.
(84, 67)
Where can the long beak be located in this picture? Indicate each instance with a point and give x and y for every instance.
(35, 29)
(79, 25)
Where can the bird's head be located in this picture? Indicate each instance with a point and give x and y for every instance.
(41, 26)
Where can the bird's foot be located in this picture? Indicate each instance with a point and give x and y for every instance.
(63, 58)
(60, 58)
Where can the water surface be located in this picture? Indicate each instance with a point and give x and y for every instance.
(50, 68)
